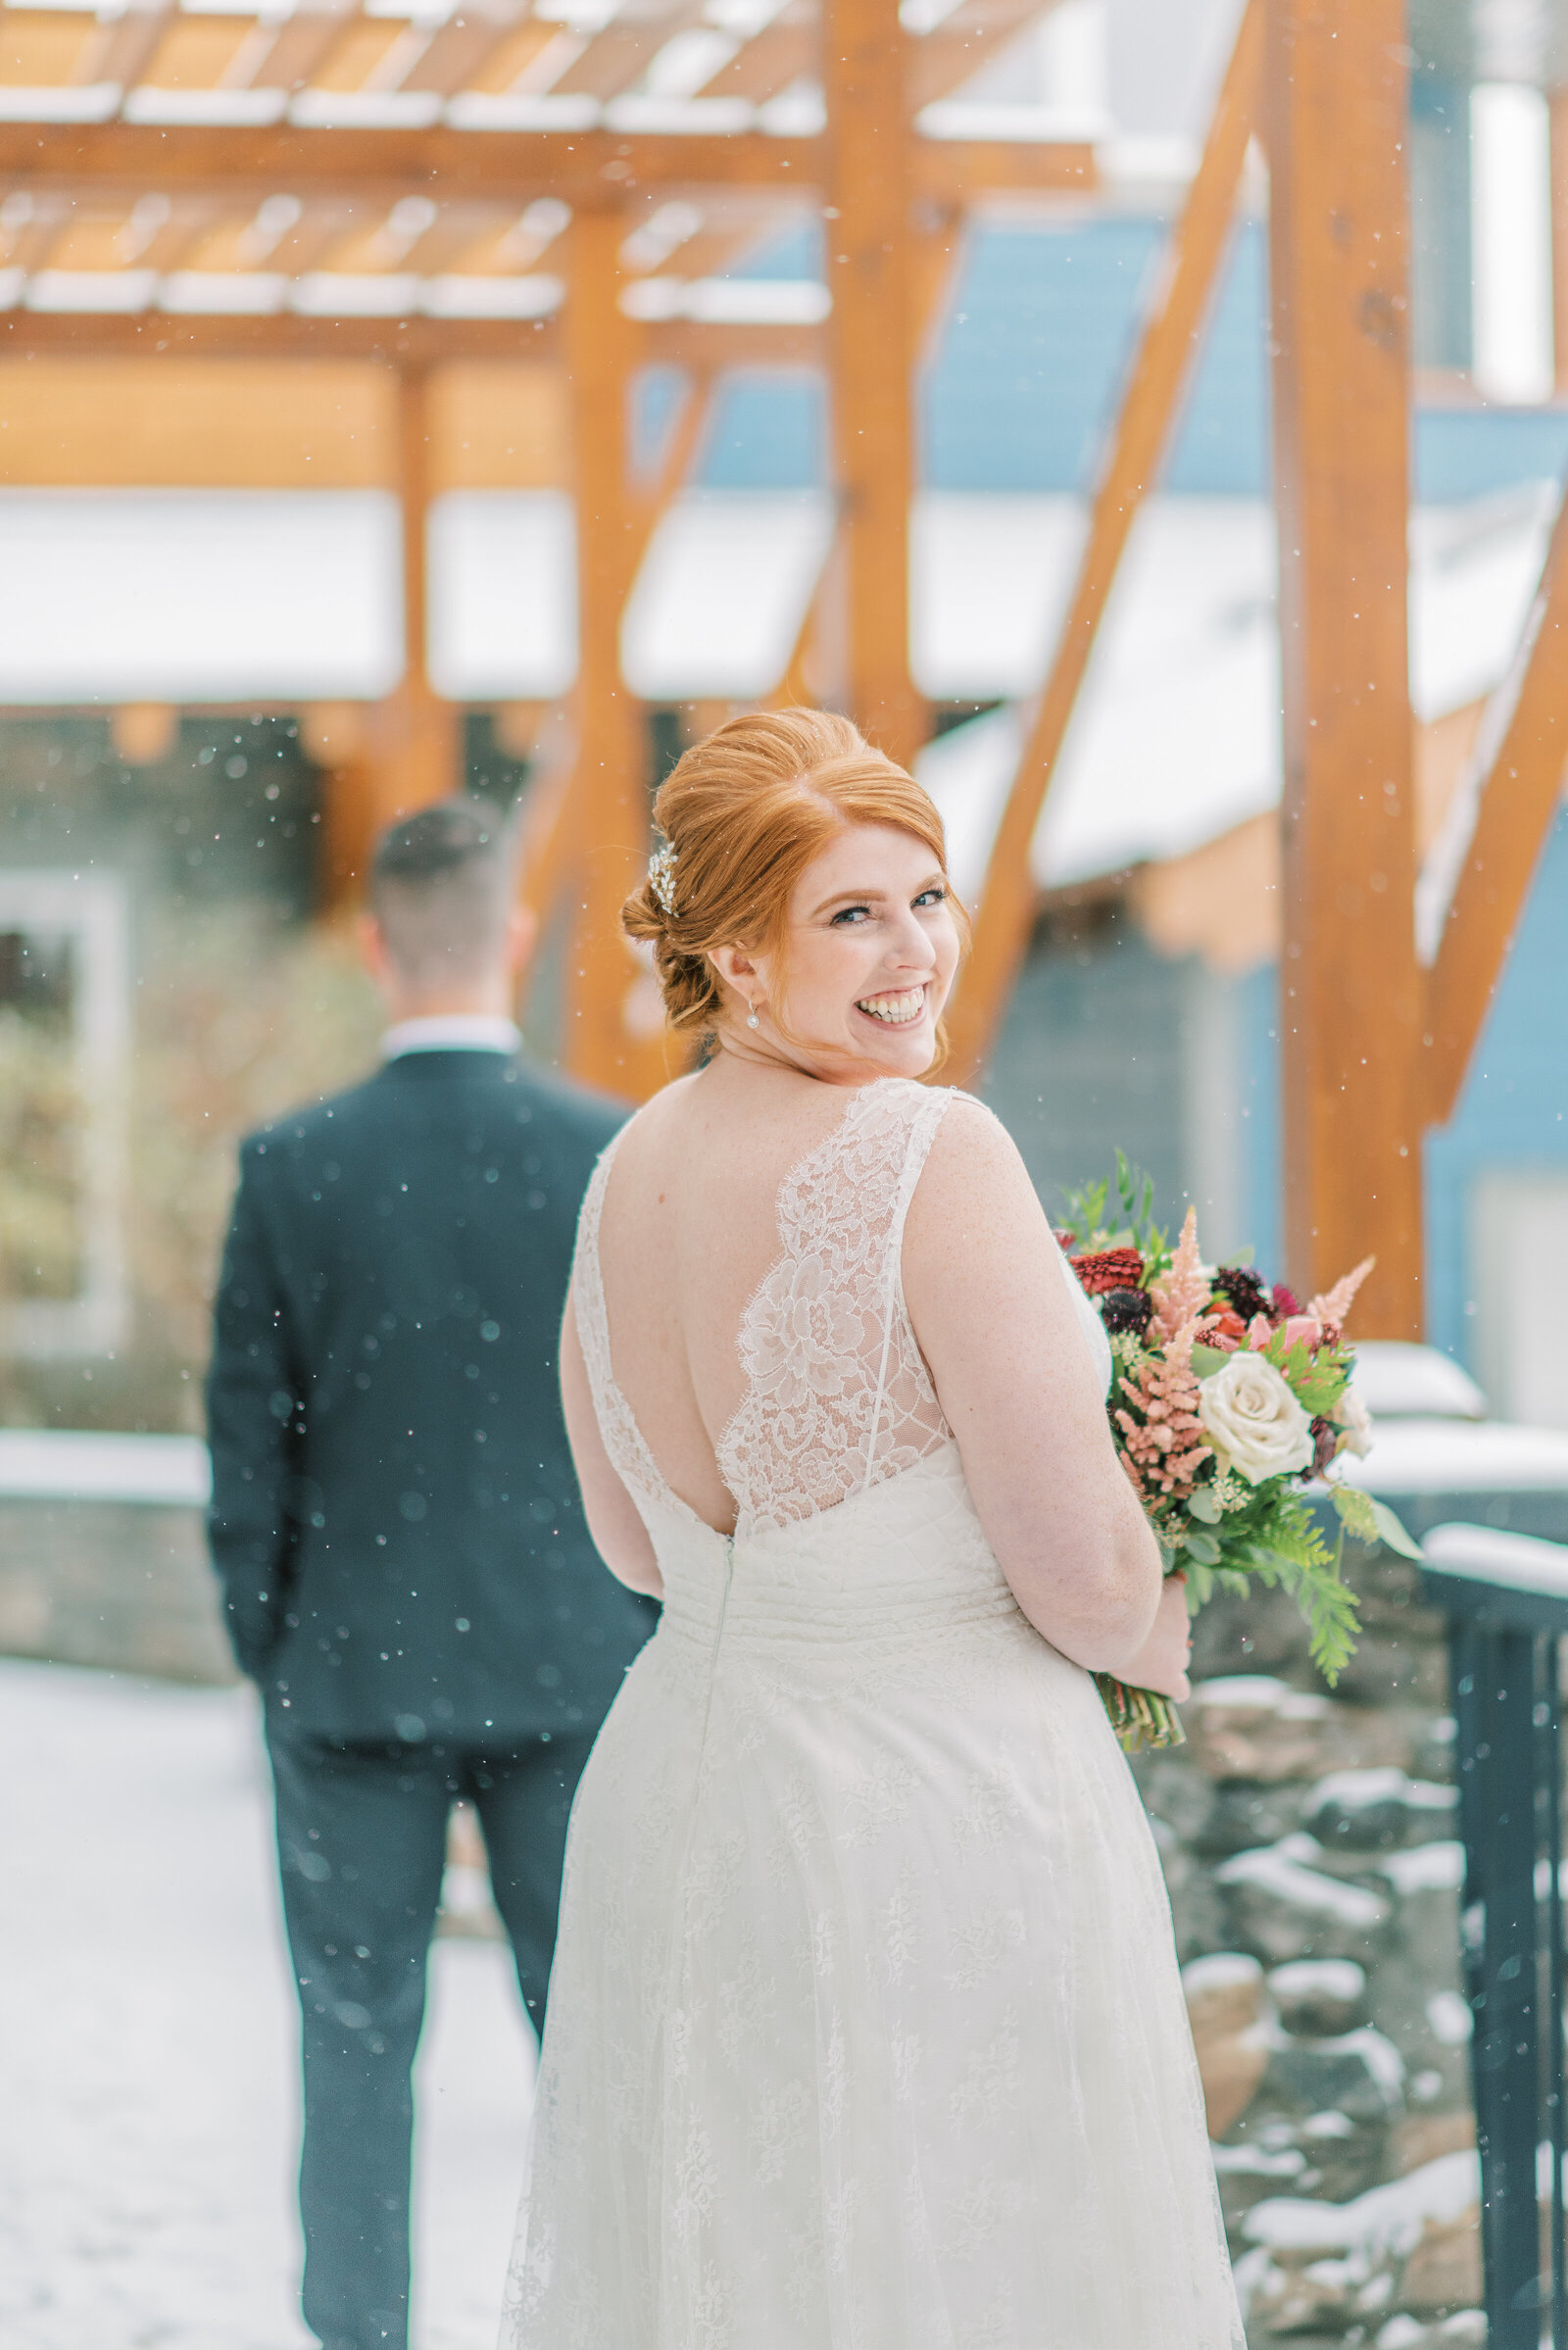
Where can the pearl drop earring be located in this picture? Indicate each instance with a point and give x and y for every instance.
(752, 1020)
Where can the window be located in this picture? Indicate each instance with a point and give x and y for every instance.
(64, 1032)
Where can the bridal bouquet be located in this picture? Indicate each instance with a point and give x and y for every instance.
(1228, 1397)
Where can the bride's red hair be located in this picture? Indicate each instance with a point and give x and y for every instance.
(745, 811)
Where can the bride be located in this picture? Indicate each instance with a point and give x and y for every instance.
(865, 2031)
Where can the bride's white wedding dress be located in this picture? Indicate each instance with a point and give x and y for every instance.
(865, 2031)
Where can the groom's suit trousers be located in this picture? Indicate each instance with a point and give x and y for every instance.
(361, 1838)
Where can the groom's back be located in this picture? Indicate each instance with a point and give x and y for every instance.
(410, 1246)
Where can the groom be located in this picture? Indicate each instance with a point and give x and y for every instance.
(395, 1522)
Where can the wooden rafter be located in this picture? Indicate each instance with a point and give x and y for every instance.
(1131, 467)
(579, 167)
(1507, 805)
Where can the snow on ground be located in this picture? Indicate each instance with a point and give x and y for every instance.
(148, 2092)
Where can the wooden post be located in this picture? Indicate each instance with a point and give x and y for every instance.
(1559, 237)
(610, 802)
(1336, 111)
(413, 738)
(872, 266)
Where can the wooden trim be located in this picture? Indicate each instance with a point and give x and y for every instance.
(1168, 346)
(1337, 116)
(1512, 800)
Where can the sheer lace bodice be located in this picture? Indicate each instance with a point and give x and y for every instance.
(837, 1395)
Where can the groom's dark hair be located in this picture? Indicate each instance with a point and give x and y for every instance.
(441, 889)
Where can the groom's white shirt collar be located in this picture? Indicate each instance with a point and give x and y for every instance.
(452, 1032)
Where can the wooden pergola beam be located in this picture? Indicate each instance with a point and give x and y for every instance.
(607, 811)
(1512, 799)
(1336, 117)
(1168, 346)
(870, 269)
(515, 166)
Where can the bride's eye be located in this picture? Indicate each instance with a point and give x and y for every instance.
(936, 895)
(850, 914)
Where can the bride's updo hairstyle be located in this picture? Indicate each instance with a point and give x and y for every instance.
(745, 811)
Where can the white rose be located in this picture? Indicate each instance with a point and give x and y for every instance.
(1253, 1420)
(1350, 1413)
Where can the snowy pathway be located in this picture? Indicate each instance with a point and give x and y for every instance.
(147, 2043)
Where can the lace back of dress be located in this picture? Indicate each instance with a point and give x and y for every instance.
(837, 1394)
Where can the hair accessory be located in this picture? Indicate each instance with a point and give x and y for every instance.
(661, 879)
(752, 1020)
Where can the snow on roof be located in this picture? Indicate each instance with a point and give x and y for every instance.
(198, 594)
(202, 596)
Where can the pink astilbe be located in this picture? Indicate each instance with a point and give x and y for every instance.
(1163, 1449)
(1184, 1290)
(1333, 1307)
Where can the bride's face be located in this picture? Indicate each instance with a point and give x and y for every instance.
(869, 952)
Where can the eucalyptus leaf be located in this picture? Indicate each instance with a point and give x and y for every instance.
(1205, 1548)
(1201, 1503)
(1206, 1361)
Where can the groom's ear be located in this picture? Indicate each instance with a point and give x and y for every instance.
(373, 947)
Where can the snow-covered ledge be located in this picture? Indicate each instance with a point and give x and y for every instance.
(1516, 1562)
(1431, 1455)
(59, 1464)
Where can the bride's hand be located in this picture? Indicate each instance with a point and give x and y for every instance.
(1161, 1662)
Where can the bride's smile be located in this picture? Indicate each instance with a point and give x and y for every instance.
(865, 968)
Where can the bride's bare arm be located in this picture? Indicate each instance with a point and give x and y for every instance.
(997, 1323)
(619, 1535)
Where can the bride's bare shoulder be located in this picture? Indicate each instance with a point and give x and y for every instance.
(974, 1184)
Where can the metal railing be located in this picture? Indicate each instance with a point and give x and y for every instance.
(1505, 1596)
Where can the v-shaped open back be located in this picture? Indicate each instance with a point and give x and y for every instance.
(837, 1396)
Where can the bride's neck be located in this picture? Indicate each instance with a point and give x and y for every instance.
(764, 1052)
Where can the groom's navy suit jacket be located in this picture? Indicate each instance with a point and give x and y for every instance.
(395, 1519)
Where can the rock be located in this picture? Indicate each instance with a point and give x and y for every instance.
(1284, 1907)
(1359, 2075)
(1443, 2272)
(1424, 2137)
(1431, 2213)
(1227, 2010)
(1248, 1725)
(1319, 1998)
(1378, 1810)
(1248, 2173)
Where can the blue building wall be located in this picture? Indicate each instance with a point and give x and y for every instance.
(1038, 341)
(1513, 1112)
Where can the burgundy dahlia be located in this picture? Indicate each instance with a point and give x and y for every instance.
(1243, 1290)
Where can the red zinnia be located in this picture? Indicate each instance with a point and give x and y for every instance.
(1111, 1269)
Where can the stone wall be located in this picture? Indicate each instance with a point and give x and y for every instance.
(120, 1585)
(1310, 1846)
